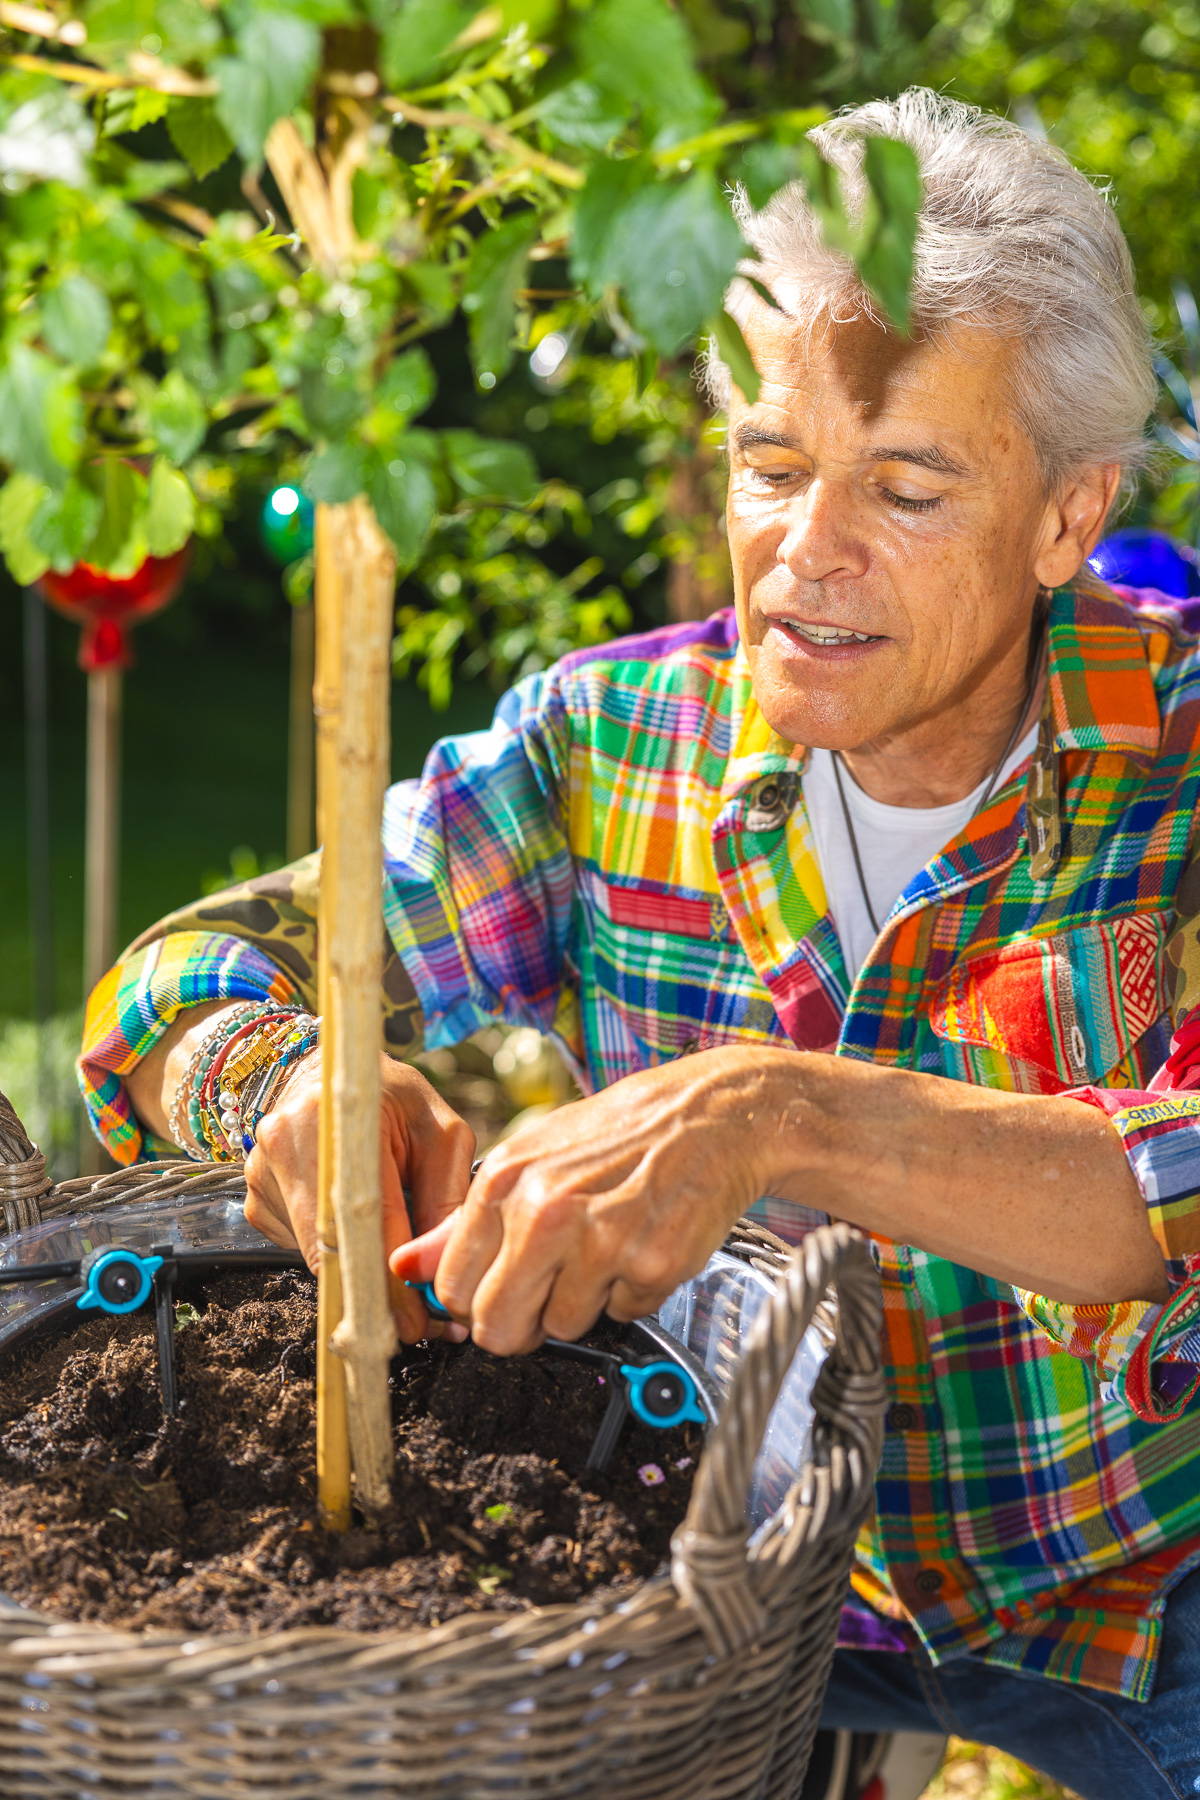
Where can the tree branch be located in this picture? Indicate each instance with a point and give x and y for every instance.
(495, 135)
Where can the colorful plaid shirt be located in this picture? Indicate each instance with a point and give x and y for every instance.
(624, 861)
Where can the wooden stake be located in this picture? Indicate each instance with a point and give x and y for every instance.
(101, 862)
(103, 827)
(356, 576)
(355, 588)
(333, 1427)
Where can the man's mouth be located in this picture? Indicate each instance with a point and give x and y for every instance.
(823, 634)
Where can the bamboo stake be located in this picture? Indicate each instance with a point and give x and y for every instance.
(333, 1427)
(103, 826)
(356, 576)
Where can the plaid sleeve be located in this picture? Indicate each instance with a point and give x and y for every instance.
(1146, 1355)
(135, 1003)
(478, 882)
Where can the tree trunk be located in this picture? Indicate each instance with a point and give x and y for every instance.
(355, 589)
(698, 579)
(356, 578)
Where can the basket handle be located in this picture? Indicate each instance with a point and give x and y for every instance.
(709, 1563)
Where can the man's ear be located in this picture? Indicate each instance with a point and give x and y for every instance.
(1074, 522)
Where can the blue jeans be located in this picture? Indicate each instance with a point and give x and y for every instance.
(1102, 1746)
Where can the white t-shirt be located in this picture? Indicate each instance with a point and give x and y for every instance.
(894, 842)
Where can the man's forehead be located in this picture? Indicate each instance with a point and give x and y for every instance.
(951, 390)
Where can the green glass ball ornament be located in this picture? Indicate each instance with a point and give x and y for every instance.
(287, 524)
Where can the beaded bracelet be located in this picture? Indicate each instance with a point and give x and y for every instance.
(244, 1051)
(181, 1104)
(255, 1108)
(266, 1054)
(214, 1147)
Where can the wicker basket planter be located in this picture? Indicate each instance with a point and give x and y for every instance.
(704, 1685)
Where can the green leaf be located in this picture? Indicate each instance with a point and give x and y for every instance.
(405, 501)
(198, 135)
(76, 320)
(177, 417)
(415, 36)
(331, 402)
(582, 114)
(640, 50)
(20, 498)
(121, 490)
(824, 193)
(610, 186)
(170, 509)
(336, 475)
(674, 249)
(129, 109)
(408, 386)
(65, 524)
(277, 58)
(886, 263)
(489, 468)
(736, 355)
(763, 168)
(494, 274)
(41, 417)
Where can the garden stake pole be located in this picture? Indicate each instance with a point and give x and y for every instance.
(103, 825)
(333, 1426)
(355, 589)
(356, 578)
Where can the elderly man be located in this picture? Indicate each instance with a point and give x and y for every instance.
(925, 802)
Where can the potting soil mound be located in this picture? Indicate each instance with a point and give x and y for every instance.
(207, 1522)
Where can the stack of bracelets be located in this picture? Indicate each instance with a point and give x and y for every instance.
(235, 1075)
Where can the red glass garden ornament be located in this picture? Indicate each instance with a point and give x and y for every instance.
(107, 606)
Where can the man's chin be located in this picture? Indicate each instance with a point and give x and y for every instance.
(834, 706)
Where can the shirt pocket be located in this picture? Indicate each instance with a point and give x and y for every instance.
(672, 968)
(1087, 1006)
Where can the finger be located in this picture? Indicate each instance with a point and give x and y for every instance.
(266, 1209)
(511, 1293)
(264, 1219)
(574, 1304)
(440, 1171)
(418, 1259)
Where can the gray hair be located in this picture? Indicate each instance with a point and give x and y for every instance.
(1011, 237)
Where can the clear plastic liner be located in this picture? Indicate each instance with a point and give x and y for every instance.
(195, 1226)
(713, 1315)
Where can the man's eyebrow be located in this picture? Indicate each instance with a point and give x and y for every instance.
(924, 456)
(753, 437)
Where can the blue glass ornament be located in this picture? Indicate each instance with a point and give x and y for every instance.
(1136, 557)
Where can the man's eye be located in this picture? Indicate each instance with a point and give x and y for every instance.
(775, 477)
(907, 504)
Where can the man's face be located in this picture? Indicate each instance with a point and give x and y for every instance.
(885, 517)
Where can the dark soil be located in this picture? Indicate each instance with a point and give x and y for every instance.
(207, 1522)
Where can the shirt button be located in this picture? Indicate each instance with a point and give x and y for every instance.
(901, 1418)
(929, 1581)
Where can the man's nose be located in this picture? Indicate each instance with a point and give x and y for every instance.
(821, 541)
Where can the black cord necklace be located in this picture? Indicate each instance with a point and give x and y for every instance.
(1035, 663)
